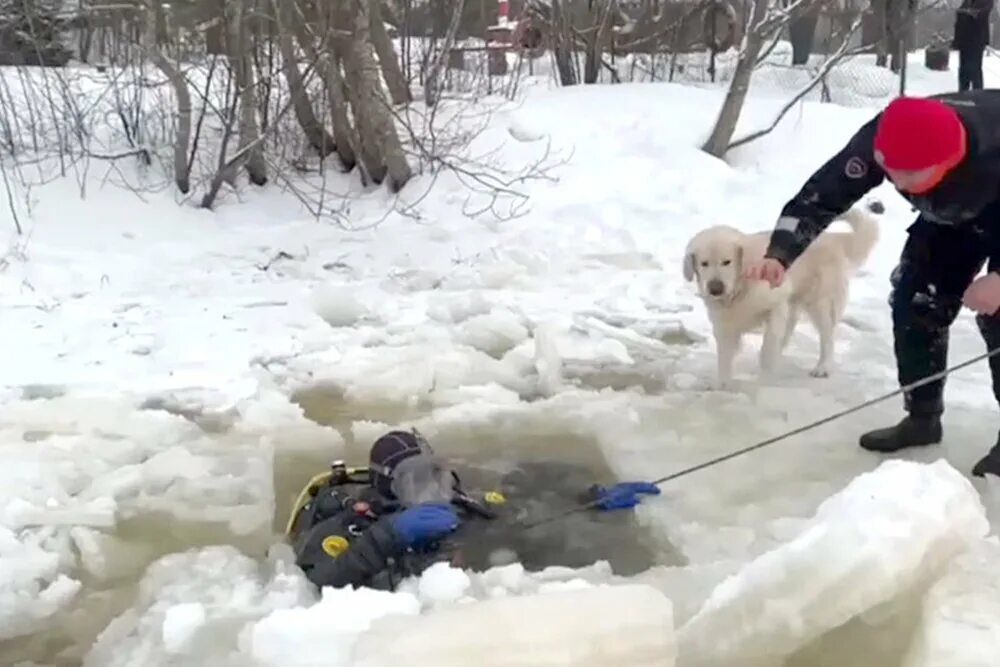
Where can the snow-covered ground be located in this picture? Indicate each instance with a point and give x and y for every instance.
(152, 352)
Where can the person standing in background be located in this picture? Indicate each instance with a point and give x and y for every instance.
(972, 36)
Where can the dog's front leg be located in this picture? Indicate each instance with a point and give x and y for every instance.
(727, 344)
(774, 332)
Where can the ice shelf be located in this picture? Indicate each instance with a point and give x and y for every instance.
(886, 532)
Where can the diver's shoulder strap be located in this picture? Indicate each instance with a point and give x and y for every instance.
(359, 475)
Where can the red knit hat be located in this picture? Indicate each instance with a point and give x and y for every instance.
(916, 133)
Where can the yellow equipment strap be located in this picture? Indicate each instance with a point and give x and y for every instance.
(305, 493)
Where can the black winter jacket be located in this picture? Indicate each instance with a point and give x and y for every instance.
(961, 198)
(972, 24)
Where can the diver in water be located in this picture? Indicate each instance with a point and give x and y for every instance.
(408, 510)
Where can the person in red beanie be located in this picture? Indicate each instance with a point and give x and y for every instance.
(942, 153)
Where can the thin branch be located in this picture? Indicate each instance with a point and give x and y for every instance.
(840, 54)
(11, 204)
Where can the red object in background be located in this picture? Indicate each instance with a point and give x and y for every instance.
(502, 11)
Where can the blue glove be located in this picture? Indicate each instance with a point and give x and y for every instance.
(425, 523)
(623, 495)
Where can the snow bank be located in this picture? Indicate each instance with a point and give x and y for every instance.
(218, 606)
(608, 625)
(961, 614)
(888, 531)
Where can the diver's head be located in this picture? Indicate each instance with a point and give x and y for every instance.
(404, 467)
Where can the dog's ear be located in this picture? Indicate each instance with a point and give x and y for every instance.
(689, 269)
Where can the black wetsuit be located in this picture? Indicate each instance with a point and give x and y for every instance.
(362, 548)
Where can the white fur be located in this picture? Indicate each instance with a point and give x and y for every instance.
(817, 283)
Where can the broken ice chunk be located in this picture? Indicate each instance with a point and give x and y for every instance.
(180, 623)
(888, 531)
(607, 625)
(960, 624)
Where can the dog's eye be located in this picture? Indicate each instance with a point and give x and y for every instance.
(727, 262)
(704, 263)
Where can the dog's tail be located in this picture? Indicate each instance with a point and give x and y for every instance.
(864, 235)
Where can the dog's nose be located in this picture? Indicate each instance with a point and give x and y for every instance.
(715, 287)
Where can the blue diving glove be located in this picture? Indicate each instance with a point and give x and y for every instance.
(425, 523)
(623, 495)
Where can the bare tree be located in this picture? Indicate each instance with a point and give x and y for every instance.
(561, 34)
(893, 20)
(318, 49)
(595, 37)
(433, 78)
(764, 20)
(842, 53)
(250, 147)
(182, 137)
(314, 130)
(381, 149)
(399, 90)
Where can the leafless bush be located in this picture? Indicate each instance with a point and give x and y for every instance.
(274, 90)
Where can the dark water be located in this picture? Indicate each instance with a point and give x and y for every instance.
(540, 466)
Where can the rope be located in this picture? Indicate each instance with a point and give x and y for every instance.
(787, 434)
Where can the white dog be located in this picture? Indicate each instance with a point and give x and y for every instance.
(817, 282)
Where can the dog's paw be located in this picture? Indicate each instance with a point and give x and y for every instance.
(819, 372)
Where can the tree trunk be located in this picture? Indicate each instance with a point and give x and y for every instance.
(434, 70)
(388, 59)
(86, 33)
(182, 139)
(315, 133)
(348, 53)
(329, 68)
(251, 148)
(899, 28)
(562, 46)
(592, 57)
(729, 115)
(224, 172)
(336, 94)
(596, 36)
(378, 129)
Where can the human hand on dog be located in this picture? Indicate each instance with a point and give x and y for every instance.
(983, 295)
(767, 269)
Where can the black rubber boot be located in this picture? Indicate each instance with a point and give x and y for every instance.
(989, 464)
(913, 431)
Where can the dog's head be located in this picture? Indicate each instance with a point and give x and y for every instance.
(714, 257)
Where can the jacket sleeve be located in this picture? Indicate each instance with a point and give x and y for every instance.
(366, 556)
(981, 9)
(834, 188)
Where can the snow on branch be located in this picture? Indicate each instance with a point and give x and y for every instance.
(841, 54)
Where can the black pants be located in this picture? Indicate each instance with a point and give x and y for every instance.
(937, 264)
(970, 68)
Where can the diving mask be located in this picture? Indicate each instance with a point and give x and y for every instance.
(422, 479)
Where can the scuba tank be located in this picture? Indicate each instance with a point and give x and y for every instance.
(338, 472)
(310, 507)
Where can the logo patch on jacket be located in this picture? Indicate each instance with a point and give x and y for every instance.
(856, 168)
